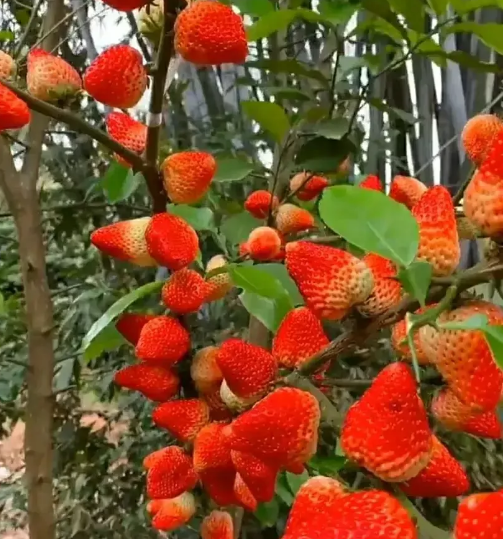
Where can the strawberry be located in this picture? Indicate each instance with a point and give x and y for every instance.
(125, 241)
(243, 494)
(50, 78)
(233, 402)
(387, 431)
(259, 477)
(211, 450)
(128, 132)
(209, 33)
(219, 284)
(14, 113)
(219, 485)
(454, 415)
(117, 77)
(480, 517)
(129, 325)
(170, 473)
(264, 243)
(7, 66)
(478, 135)
(439, 241)
(291, 218)
(306, 186)
(299, 337)
(248, 369)
(172, 513)
(217, 525)
(371, 182)
(443, 476)
(205, 371)
(259, 204)
(243, 250)
(465, 360)
(493, 160)
(171, 241)
(406, 190)
(280, 430)
(187, 175)
(185, 291)
(218, 409)
(154, 382)
(163, 340)
(400, 345)
(182, 418)
(126, 5)
(330, 280)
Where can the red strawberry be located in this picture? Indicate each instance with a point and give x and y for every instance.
(480, 517)
(259, 477)
(264, 243)
(217, 525)
(171, 473)
(50, 78)
(171, 241)
(306, 186)
(243, 249)
(259, 204)
(299, 337)
(387, 292)
(182, 418)
(154, 382)
(129, 325)
(291, 218)
(172, 513)
(211, 450)
(128, 132)
(117, 77)
(493, 161)
(163, 340)
(7, 66)
(219, 485)
(126, 5)
(406, 190)
(185, 291)
(187, 175)
(443, 476)
(243, 494)
(400, 345)
(218, 409)
(454, 415)
(371, 182)
(439, 241)
(281, 429)
(387, 431)
(478, 135)
(205, 371)
(125, 241)
(209, 33)
(330, 280)
(248, 369)
(14, 113)
(220, 284)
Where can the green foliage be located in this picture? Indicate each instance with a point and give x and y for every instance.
(416, 280)
(237, 228)
(199, 218)
(119, 182)
(270, 116)
(232, 170)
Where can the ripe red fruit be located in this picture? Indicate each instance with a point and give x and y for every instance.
(259, 477)
(128, 132)
(218, 409)
(387, 431)
(371, 182)
(330, 280)
(50, 78)
(480, 517)
(205, 371)
(14, 112)
(406, 190)
(219, 284)
(306, 186)
(219, 485)
(493, 161)
(299, 337)
(171, 241)
(154, 382)
(478, 135)
(172, 513)
(210, 33)
(248, 369)
(187, 175)
(243, 494)
(211, 450)
(182, 418)
(129, 325)
(439, 241)
(126, 5)
(259, 204)
(117, 77)
(125, 241)
(185, 291)
(217, 525)
(163, 340)
(170, 473)
(291, 218)
(398, 341)
(264, 243)
(7, 66)
(443, 476)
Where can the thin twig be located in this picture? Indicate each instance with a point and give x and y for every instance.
(28, 29)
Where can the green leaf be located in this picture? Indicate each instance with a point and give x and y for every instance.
(232, 169)
(296, 481)
(425, 528)
(269, 312)
(267, 513)
(466, 60)
(109, 339)
(372, 221)
(6, 35)
(413, 12)
(490, 33)
(289, 66)
(237, 228)
(279, 271)
(321, 154)
(334, 129)
(462, 7)
(283, 491)
(116, 309)
(257, 281)
(270, 116)
(255, 8)
(120, 182)
(198, 218)
(402, 114)
(416, 280)
(327, 465)
(270, 23)
(439, 6)
(338, 12)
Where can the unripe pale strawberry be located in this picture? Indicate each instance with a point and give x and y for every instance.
(439, 241)
(187, 175)
(182, 418)
(233, 402)
(371, 182)
(406, 190)
(50, 78)
(219, 284)
(244, 495)
(171, 241)
(125, 241)
(210, 33)
(478, 135)
(126, 5)
(259, 204)
(330, 280)
(117, 77)
(217, 525)
(480, 517)
(264, 243)
(14, 112)
(129, 325)
(185, 291)
(154, 382)
(307, 186)
(205, 371)
(7, 66)
(128, 132)
(259, 477)
(172, 513)
(290, 218)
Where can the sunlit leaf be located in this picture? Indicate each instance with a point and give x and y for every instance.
(198, 218)
(270, 116)
(416, 279)
(232, 169)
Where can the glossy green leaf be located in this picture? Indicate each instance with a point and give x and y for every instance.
(335, 129)
(328, 465)
(267, 513)
(270, 23)
(198, 218)
(337, 12)
(321, 154)
(279, 271)
(283, 491)
(256, 280)
(270, 116)
(465, 60)
(232, 169)
(255, 8)
(109, 339)
(412, 11)
(402, 114)
(489, 33)
(289, 66)
(372, 221)
(438, 6)
(6, 35)
(120, 182)
(462, 7)
(237, 228)
(416, 279)
(296, 481)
